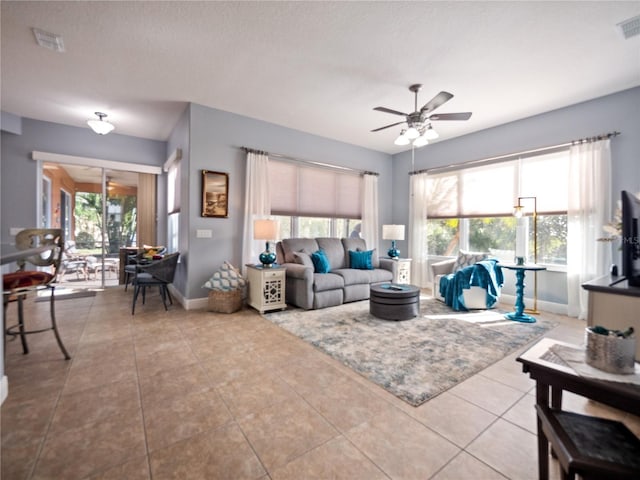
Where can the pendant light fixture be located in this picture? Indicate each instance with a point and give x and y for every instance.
(101, 126)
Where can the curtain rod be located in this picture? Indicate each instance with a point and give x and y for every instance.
(510, 155)
(309, 162)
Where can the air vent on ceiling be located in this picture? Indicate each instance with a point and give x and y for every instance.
(630, 27)
(48, 40)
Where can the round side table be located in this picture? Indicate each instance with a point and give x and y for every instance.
(519, 315)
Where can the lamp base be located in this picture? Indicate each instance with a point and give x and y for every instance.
(393, 252)
(267, 259)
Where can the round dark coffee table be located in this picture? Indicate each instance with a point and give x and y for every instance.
(391, 301)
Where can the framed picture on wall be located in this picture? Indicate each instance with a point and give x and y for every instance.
(215, 194)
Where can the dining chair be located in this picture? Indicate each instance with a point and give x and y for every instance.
(18, 284)
(159, 273)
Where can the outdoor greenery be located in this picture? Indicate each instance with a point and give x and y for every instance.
(499, 233)
(121, 226)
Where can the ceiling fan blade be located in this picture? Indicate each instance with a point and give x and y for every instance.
(436, 101)
(450, 116)
(387, 126)
(388, 110)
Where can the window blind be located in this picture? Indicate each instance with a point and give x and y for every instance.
(306, 191)
(492, 190)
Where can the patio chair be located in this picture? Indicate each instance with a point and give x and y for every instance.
(18, 284)
(159, 273)
(72, 262)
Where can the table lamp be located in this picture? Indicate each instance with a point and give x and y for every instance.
(266, 230)
(393, 233)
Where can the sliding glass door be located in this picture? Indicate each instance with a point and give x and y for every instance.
(99, 218)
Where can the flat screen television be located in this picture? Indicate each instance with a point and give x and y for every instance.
(630, 239)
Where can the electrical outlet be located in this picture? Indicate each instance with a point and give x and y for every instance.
(13, 231)
(203, 233)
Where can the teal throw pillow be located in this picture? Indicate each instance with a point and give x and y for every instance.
(361, 260)
(320, 262)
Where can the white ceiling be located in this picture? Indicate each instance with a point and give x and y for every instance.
(319, 67)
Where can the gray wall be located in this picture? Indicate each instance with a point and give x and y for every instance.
(617, 112)
(216, 138)
(19, 171)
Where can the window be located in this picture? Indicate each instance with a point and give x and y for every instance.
(313, 201)
(472, 208)
(304, 190)
(314, 227)
(173, 203)
(46, 203)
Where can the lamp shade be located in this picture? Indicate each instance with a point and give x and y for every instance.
(265, 229)
(402, 139)
(393, 232)
(430, 133)
(420, 141)
(412, 133)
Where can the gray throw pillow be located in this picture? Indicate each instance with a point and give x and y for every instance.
(303, 258)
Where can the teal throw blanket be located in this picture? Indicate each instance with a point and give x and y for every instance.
(486, 274)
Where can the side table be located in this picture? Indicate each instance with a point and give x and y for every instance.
(519, 315)
(402, 274)
(266, 287)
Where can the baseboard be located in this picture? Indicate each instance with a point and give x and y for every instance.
(4, 389)
(510, 300)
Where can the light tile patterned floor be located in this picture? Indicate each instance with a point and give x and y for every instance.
(198, 395)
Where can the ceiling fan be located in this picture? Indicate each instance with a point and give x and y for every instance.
(419, 129)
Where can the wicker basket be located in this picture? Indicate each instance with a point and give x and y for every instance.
(225, 302)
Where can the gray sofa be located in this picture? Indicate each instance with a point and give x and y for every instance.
(309, 290)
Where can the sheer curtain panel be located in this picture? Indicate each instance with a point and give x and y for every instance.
(257, 204)
(418, 229)
(589, 209)
(370, 226)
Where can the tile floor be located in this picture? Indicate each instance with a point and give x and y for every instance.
(198, 395)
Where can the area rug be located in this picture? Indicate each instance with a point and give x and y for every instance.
(413, 359)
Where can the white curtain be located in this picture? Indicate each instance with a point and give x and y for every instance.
(418, 230)
(370, 227)
(588, 210)
(257, 204)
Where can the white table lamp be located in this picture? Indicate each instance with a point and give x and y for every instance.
(266, 230)
(393, 233)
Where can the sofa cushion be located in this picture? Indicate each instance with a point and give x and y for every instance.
(290, 245)
(320, 262)
(327, 281)
(335, 252)
(360, 260)
(466, 259)
(354, 276)
(360, 245)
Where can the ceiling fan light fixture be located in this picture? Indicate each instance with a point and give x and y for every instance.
(430, 133)
(101, 126)
(402, 139)
(412, 133)
(421, 141)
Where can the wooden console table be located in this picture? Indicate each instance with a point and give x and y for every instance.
(553, 378)
(613, 306)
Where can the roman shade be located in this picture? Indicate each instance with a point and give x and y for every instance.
(302, 190)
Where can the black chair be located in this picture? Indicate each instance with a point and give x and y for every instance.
(594, 448)
(18, 284)
(159, 273)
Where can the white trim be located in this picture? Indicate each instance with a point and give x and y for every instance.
(4, 389)
(173, 158)
(95, 162)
